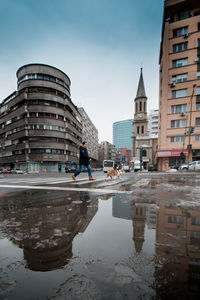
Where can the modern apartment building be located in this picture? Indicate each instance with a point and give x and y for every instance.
(110, 152)
(122, 133)
(89, 134)
(179, 92)
(40, 127)
(153, 122)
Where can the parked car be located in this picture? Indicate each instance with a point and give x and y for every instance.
(137, 166)
(6, 171)
(152, 167)
(183, 167)
(176, 167)
(194, 166)
(126, 168)
(17, 171)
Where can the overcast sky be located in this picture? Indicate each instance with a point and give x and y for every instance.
(100, 44)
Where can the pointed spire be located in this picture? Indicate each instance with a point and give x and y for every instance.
(141, 90)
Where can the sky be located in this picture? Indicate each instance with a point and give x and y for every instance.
(100, 44)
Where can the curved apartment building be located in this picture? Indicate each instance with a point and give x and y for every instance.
(40, 127)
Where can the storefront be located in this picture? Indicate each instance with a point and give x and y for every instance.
(168, 158)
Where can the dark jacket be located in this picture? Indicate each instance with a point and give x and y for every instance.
(84, 157)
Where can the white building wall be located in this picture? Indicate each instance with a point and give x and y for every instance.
(153, 122)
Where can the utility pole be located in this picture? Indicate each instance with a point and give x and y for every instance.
(191, 129)
(141, 155)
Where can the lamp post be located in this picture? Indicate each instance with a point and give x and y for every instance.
(191, 129)
(141, 155)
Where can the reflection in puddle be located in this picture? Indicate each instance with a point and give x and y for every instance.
(95, 247)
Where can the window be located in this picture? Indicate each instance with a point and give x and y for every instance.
(175, 219)
(197, 138)
(198, 26)
(144, 152)
(179, 62)
(197, 121)
(178, 108)
(48, 150)
(195, 221)
(178, 123)
(140, 106)
(198, 102)
(180, 47)
(177, 139)
(138, 129)
(180, 31)
(180, 77)
(184, 14)
(142, 129)
(179, 93)
(136, 107)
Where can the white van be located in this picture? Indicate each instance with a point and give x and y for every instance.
(126, 168)
(194, 166)
(137, 166)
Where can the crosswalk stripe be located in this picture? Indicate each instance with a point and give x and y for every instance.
(93, 190)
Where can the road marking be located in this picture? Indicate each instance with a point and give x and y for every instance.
(43, 180)
(142, 182)
(93, 190)
(86, 181)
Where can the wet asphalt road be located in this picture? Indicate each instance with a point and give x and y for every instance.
(133, 238)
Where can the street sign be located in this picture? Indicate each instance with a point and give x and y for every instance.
(123, 159)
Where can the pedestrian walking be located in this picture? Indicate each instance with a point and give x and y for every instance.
(84, 161)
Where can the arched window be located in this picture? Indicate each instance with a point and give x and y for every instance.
(144, 152)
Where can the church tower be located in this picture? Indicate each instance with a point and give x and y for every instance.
(140, 116)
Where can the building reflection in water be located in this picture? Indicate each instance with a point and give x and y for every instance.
(141, 214)
(178, 251)
(45, 224)
(177, 246)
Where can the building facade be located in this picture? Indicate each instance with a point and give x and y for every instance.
(109, 151)
(126, 156)
(89, 134)
(141, 139)
(179, 88)
(122, 133)
(40, 127)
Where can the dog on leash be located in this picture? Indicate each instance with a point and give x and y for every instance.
(113, 173)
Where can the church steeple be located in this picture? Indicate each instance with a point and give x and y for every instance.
(141, 90)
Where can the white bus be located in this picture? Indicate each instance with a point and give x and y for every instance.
(108, 165)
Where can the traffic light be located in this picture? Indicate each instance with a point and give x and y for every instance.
(182, 154)
(191, 129)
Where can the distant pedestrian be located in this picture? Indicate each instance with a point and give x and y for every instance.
(84, 161)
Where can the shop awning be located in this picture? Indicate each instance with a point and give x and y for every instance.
(170, 153)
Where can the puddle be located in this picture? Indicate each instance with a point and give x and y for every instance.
(78, 246)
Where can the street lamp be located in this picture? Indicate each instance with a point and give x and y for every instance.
(191, 128)
(141, 155)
